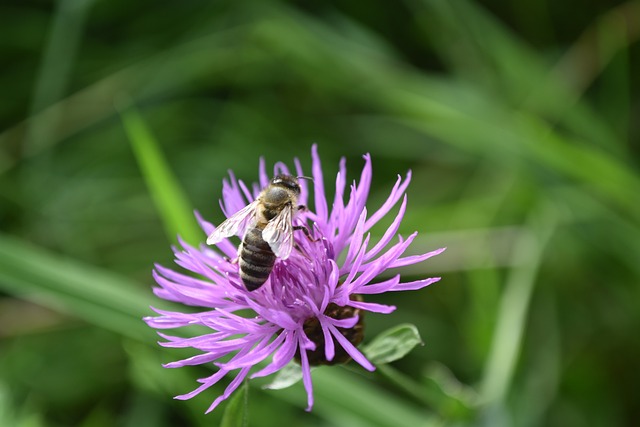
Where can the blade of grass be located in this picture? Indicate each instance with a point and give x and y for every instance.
(170, 199)
(105, 299)
(23, 415)
(55, 70)
(520, 137)
(612, 32)
(236, 413)
(171, 69)
(149, 377)
(541, 383)
(501, 60)
(456, 113)
(512, 313)
(341, 395)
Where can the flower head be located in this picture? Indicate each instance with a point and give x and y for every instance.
(310, 308)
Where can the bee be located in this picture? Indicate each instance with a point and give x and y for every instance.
(267, 228)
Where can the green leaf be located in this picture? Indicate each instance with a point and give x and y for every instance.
(236, 413)
(170, 199)
(286, 377)
(393, 344)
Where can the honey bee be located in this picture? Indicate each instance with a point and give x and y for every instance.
(267, 229)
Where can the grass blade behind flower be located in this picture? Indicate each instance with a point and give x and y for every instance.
(512, 314)
(236, 413)
(170, 199)
(102, 298)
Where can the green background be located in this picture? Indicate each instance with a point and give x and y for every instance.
(519, 120)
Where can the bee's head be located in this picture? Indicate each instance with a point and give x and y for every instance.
(287, 181)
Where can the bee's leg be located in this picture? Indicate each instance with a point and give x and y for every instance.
(306, 232)
(301, 251)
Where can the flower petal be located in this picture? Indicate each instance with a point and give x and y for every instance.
(412, 286)
(397, 191)
(318, 186)
(304, 188)
(230, 389)
(351, 349)
(329, 348)
(306, 374)
(344, 323)
(256, 355)
(281, 357)
(356, 240)
(373, 307)
(263, 177)
(381, 287)
(193, 360)
(391, 231)
(414, 259)
(280, 169)
(206, 383)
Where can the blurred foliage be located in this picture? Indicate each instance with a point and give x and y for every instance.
(519, 121)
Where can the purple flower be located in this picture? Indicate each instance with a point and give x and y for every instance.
(310, 309)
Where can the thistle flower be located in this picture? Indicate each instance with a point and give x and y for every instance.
(310, 309)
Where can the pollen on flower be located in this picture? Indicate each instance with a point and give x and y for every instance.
(312, 303)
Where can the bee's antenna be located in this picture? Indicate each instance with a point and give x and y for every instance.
(305, 177)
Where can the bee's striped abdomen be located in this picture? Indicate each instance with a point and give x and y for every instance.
(256, 259)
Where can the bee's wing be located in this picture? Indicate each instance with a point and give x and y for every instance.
(279, 233)
(234, 225)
